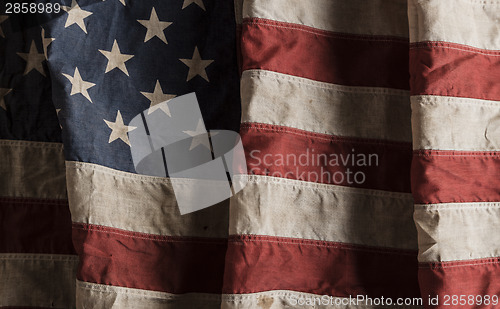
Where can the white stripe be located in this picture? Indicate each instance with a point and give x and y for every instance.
(280, 99)
(469, 22)
(238, 11)
(284, 299)
(374, 17)
(37, 280)
(449, 123)
(104, 196)
(458, 231)
(298, 209)
(32, 170)
(92, 295)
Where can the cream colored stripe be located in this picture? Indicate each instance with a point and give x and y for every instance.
(238, 11)
(284, 299)
(450, 123)
(374, 17)
(32, 170)
(280, 99)
(139, 203)
(458, 231)
(91, 295)
(469, 22)
(37, 280)
(290, 208)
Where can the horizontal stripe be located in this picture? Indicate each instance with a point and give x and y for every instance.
(282, 299)
(23, 307)
(91, 295)
(439, 68)
(37, 280)
(238, 12)
(473, 277)
(380, 17)
(32, 170)
(325, 56)
(35, 226)
(296, 154)
(101, 196)
(450, 123)
(469, 22)
(318, 267)
(286, 100)
(460, 231)
(455, 177)
(149, 262)
(323, 212)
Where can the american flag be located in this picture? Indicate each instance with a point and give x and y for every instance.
(107, 61)
(371, 131)
(455, 70)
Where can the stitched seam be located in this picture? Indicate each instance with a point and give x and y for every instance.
(39, 257)
(24, 144)
(272, 128)
(331, 189)
(240, 240)
(444, 206)
(325, 86)
(484, 2)
(37, 201)
(315, 31)
(460, 47)
(475, 155)
(136, 235)
(85, 167)
(439, 100)
(443, 266)
(130, 291)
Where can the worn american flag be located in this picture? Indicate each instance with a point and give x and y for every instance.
(371, 131)
(107, 61)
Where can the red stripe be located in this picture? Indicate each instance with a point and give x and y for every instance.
(455, 176)
(150, 262)
(448, 69)
(471, 277)
(345, 59)
(258, 263)
(266, 144)
(35, 226)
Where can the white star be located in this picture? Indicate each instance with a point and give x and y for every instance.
(155, 27)
(196, 65)
(2, 19)
(200, 136)
(79, 85)
(118, 129)
(33, 60)
(156, 97)
(116, 59)
(189, 2)
(3, 93)
(46, 42)
(76, 15)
